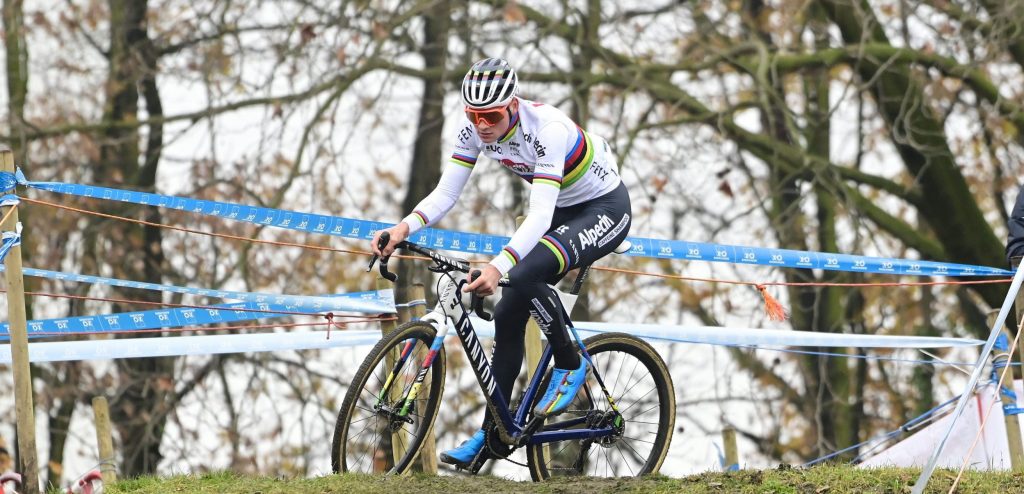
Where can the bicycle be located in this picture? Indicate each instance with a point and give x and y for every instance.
(395, 396)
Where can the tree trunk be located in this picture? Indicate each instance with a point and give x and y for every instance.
(140, 411)
(582, 62)
(427, 153)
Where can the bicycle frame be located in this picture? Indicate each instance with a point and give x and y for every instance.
(512, 429)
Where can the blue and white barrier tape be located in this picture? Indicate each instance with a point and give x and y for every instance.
(753, 336)
(372, 302)
(61, 351)
(492, 244)
(9, 200)
(9, 240)
(181, 317)
(260, 342)
(160, 319)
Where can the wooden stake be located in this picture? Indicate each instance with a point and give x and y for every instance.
(103, 440)
(534, 347)
(732, 455)
(28, 464)
(398, 445)
(428, 453)
(1014, 441)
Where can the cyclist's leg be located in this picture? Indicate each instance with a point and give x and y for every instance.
(594, 231)
(529, 277)
(580, 235)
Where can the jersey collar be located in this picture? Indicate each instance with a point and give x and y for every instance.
(511, 129)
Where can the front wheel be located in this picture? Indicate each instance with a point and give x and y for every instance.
(379, 430)
(638, 381)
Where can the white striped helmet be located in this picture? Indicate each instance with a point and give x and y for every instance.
(490, 83)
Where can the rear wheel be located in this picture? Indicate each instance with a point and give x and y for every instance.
(374, 433)
(638, 381)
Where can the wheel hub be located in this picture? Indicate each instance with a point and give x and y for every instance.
(598, 419)
(394, 416)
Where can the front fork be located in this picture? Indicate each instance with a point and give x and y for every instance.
(406, 401)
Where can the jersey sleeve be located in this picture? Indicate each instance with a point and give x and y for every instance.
(551, 145)
(453, 179)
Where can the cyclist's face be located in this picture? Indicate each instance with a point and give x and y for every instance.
(493, 123)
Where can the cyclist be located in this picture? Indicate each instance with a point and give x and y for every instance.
(1015, 240)
(578, 212)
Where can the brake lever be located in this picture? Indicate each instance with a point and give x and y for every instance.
(382, 242)
(477, 301)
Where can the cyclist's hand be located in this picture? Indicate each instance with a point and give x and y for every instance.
(398, 233)
(485, 284)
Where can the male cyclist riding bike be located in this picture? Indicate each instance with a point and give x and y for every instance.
(579, 211)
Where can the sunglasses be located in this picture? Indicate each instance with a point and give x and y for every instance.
(492, 116)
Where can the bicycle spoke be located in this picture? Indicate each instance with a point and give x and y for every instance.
(638, 400)
(638, 439)
(627, 390)
(625, 461)
(639, 457)
(652, 407)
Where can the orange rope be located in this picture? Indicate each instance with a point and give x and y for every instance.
(8, 215)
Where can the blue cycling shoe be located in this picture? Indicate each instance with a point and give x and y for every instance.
(563, 388)
(463, 455)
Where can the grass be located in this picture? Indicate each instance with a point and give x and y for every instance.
(818, 480)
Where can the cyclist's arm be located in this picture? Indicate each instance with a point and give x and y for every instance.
(453, 179)
(547, 182)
